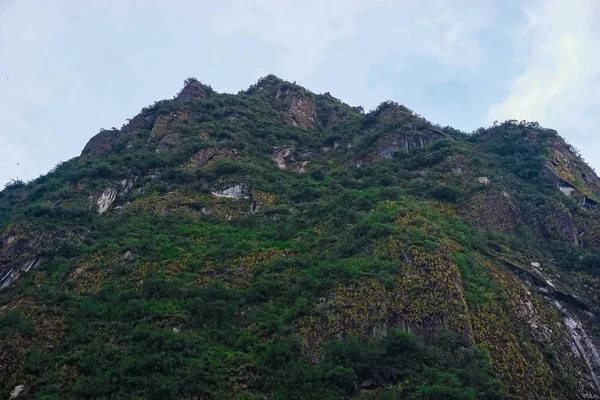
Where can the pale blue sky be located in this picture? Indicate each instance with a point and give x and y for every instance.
(76, 66)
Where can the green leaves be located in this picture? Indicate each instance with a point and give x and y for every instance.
(13, 322)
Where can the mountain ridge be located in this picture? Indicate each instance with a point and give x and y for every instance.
(278, 243)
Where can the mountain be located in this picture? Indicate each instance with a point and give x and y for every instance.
(279, 244)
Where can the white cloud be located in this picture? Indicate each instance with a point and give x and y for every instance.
(449, 33)
(560, 83)
(302, 29)
(305, 30)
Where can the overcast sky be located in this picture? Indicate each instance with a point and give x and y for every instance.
(71, 67)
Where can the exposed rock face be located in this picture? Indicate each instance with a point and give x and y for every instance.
(457, 170)
(393, 113)
(567, 190)
(137, 122)
(493, 209)
(331, 146)
(16, 392)
(301, 112)
(104, 201)
(233, 191)
(584, 345)
(104, 141)
(160, 126)
(390, 116)
(285, 157)
(388, 145)
(101, 143)
(205, 156)
(558, 223)
(586, 221)
(23, 249)
(302, 167)
(261, 199)
(127, 185)
(161, 205)
(218, 204)
(459, 167)
(167, 130)
(369, 309)
(587, 202)
(9, 275)
(193, 89)
(532, 302)
(565, 163)
(165, 122)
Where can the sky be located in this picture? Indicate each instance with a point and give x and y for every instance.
(69, 68)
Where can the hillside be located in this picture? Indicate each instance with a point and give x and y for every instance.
(279, 244)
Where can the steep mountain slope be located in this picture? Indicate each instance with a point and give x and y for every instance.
(280, 244)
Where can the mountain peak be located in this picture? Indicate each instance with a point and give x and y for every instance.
(266, 82)
(193, 89)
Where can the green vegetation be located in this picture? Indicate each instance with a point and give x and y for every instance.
(14, 322)
(374, 263)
